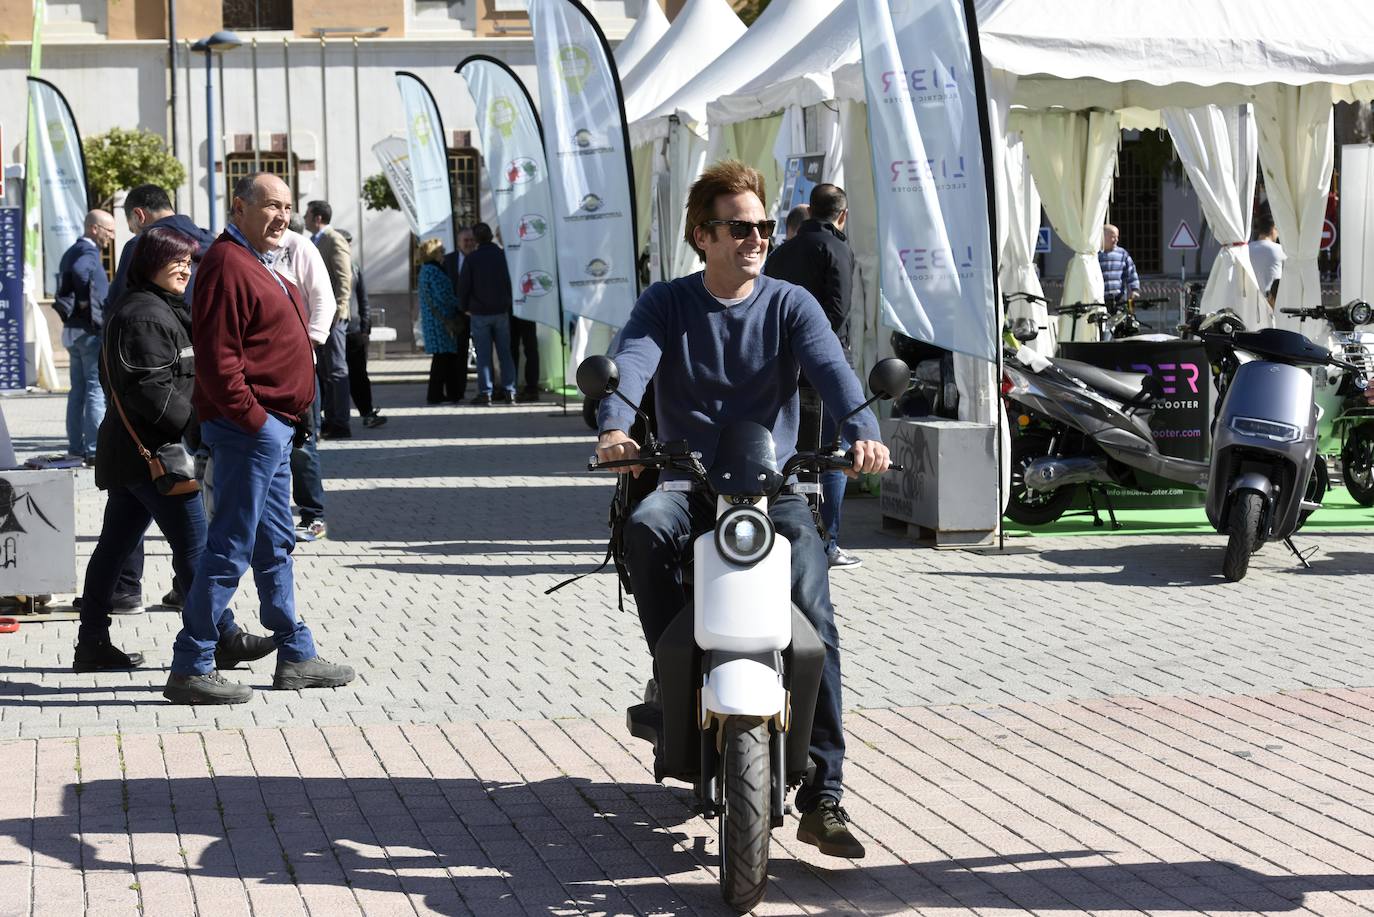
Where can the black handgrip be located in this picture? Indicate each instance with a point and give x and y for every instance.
(893, 466)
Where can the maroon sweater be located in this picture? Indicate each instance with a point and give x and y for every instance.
(253, 353)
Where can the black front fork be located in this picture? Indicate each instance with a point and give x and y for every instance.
(708, 786)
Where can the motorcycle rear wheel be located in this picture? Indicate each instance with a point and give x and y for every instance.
(1033, 507)
(1244, 538)
(1357, 464)
(745, 819)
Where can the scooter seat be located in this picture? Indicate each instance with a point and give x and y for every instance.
(1140, 388)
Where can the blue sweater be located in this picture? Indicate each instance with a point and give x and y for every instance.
(713, 364)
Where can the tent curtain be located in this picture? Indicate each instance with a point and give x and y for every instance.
(1018, 273)
(830, 141)
(866, 340)
(1218, 148)
(1296, 135)
(686, 159)
(1072, 158)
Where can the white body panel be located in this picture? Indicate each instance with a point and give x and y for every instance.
(743, 687)
(743, 609)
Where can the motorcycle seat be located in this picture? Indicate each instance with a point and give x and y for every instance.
(1138, 388)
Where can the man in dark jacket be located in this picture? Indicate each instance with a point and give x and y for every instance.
(146, 206)
(82, 292)
(819, 259)
(356, 341)
(484, 295)
(453, 267)
(255, 381)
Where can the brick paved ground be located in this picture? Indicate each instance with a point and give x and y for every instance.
(1081, 724)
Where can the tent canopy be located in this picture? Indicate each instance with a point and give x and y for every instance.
(648, 29)
(1168, 42)
(702, 31)
(806, 77)
(768, 42)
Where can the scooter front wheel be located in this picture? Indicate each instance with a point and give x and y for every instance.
(745, 819)
(1244, 539)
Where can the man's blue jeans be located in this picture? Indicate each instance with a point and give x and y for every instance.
(251, 527)
(658, 536)
(86, 401)
(128, 511)
(486, 331)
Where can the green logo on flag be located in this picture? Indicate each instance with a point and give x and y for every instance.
(502, 115)
(575, 66)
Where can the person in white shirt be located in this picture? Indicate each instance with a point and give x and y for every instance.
(303, 265)
(1267, 257)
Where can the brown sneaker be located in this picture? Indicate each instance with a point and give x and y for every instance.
(826, 827)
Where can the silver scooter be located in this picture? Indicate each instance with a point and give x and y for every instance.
(1266, 476)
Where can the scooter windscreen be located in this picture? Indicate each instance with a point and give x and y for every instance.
(746, 462)
(1282, 346)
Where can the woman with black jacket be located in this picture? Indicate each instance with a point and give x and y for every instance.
(148, 372)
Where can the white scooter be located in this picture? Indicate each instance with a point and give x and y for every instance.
(739, 668)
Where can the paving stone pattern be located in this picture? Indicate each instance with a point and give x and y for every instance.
(1080, 724)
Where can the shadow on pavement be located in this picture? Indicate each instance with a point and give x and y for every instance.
(1160, 564)
(464, 845)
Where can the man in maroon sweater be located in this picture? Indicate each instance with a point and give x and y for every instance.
(254, 380)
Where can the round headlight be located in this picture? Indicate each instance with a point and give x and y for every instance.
(1360, 313)
(744, 535)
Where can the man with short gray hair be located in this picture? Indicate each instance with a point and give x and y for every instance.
(255, 381)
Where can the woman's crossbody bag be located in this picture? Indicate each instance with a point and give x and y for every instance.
(172, 468)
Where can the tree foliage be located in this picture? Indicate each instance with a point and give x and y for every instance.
(749, 10)
(377, 193)
(121, 159)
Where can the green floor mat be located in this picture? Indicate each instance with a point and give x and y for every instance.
(1339, 513)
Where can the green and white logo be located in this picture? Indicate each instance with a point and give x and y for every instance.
(575, 66)
(502, 115)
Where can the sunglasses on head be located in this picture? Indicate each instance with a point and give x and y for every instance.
(741, 229)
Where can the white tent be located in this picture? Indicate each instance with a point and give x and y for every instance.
(648, 29)
(766, 45)
(676, 130)
(806, 77)
(702, 31)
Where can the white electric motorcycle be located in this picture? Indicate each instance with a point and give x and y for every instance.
(739, 668)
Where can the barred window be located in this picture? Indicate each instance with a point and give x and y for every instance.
(1135, 206)
(239, 164)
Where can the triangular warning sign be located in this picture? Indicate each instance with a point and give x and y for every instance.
(1183, 237)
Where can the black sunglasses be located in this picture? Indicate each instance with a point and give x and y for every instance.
(740, 229)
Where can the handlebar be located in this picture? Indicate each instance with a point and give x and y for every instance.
(1028, 297)
(691, 461)
(1306, 312)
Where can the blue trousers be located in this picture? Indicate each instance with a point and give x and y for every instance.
(251, 527)
(128, 512)
(486, 331)
(86, 400)
(833, 484)
(660, 533)
(307, 481)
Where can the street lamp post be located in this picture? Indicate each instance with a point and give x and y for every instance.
(214, 44)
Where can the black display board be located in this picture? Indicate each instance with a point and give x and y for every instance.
(12, 298)
(1182, 421)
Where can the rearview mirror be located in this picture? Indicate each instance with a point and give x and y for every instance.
(887, 379)
(598, 376)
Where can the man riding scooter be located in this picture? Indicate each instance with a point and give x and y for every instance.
(727, 345)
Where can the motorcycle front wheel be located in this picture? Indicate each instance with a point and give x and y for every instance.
(1357, 464)
(745, 819)
(1033, 507)
(1244, 537)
